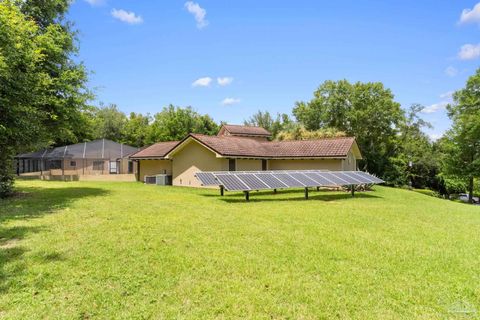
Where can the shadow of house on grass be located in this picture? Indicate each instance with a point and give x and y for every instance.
(31, 203)
(270, 196)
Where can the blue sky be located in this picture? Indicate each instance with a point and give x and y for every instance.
(232, 58)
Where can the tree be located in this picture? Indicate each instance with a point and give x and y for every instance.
(67, 91)
(364, 110)
(414, 162)
(462, 142)
(298, 132)
(109, 123)
(265, 120)
(42, 90)
(136, 130)
(174, 123)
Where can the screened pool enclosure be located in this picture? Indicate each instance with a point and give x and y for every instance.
(98, 157)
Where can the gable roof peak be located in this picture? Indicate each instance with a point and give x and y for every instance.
(243, 130)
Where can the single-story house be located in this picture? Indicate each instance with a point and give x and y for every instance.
(98, 157)
(242, 148)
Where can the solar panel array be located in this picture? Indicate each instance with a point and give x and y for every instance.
(261, 180)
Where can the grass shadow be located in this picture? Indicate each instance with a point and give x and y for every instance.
(270, 196)
(34, 202)
(31, 203)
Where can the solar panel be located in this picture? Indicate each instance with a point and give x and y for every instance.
(357, 177)
(306, 181)
(231, 182)
(288, 180)
(349, 178)
(321, 180)
(252, 181)
(207, 178)
(373, 179)
(334, 178)
(271, 180)
(261, 180)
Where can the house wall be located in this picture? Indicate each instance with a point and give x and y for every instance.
(192, 159)
(153, 167)
(249, 165)
(123, 166)
(350, 163)
(316, 164)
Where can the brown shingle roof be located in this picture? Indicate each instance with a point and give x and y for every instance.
(157, 150)
(231, 146)
(245, 130)
(244, 147)
(330, 147)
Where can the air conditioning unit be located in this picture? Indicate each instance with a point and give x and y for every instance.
(159, 179)
(150, 180)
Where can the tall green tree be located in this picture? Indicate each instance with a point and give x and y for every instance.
(136, 130)
(174, 123)
(367, 111)
(462, 143)
(415, 162)
(298, 132)
(42, 89)
(109, 123)
(273, 124)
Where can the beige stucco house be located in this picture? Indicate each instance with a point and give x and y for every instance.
(242, 148)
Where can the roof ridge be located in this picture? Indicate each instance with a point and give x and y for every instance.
(243, 125)
(315, 139)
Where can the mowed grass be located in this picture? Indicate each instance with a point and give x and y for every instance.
(87, 250)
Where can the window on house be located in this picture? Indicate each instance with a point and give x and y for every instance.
(264, 165)
(232, 165)
(73, 163)
(98, 165)
(130, 166)
(55, 164)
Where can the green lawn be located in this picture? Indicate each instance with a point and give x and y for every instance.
(83, 250)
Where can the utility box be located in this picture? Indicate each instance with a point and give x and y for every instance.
(150, 180)
(159, 179)
(163, 180)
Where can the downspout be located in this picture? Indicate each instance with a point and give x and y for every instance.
(103, 154)
(119, 169)
(42, 162)
(63, 163)
(138, 170)
(84, 152)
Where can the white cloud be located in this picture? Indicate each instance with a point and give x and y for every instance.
(198, 12)
(451, 71)
(435, 107)
(95, 2)
(230, 101)
(469, 51)
(471, 15)
(126, 16)
(202, 82)
(447, 95)
(224, 81)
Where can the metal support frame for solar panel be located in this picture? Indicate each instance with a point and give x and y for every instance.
(247, 181)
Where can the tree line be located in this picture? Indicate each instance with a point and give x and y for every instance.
(44, 101)
(139, 130)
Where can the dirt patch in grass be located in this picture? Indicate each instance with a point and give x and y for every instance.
(8, 243)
